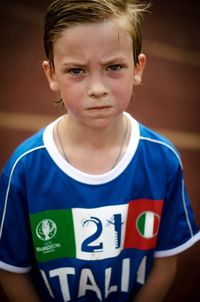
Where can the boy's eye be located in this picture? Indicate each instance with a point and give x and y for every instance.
(115, 67)
(75, 71)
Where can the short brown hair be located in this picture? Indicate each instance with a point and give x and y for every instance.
(63, 14)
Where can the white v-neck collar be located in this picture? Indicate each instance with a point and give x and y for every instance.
(86, 177)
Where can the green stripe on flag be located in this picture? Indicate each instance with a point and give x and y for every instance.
(53, 234)
(141, 223)
(69, 235)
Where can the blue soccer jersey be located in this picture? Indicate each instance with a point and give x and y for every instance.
(93, 237)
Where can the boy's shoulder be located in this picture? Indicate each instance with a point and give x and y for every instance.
(152, 136)
(149, 134)
(33, 141)
(29, 145)
(159, 144)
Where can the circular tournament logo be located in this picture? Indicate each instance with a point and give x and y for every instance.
(148, 224)
(46, 229)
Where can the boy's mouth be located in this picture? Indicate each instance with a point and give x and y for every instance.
(99, 107)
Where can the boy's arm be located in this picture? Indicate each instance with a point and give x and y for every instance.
(18, 287)
(159, 280)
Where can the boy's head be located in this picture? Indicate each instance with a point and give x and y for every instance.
(64, 14)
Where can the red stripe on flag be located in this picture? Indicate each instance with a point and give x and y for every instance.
(156, 224)
(133, 238)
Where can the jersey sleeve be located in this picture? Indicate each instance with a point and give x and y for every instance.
(178, 230)
(15, 240)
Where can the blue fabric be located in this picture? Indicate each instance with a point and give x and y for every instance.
(34, 191)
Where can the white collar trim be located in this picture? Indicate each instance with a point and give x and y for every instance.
(91, 178)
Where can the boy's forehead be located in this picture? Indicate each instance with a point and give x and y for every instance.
(107, 36)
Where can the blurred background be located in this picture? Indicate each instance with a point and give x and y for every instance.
(168, 101)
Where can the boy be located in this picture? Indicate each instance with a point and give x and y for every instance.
(94, 205)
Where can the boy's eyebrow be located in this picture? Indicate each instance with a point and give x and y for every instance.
(73, 63)
(114, 59)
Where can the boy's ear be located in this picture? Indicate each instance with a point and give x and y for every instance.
(51, 77)
(138, 70)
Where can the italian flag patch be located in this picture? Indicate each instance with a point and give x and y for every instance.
(142, 225)
(147, 224)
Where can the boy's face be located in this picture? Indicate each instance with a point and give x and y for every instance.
(94, 71)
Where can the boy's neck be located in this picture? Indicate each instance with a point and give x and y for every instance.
(94, 137)
(93, 151)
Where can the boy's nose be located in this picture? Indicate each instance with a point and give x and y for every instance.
(97, 88)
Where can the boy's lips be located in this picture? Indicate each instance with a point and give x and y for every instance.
(99, 107)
